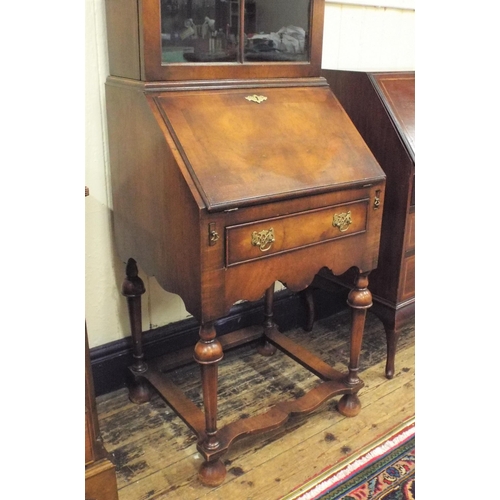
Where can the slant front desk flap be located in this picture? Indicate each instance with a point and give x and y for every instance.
(243, 147)
(397, 91)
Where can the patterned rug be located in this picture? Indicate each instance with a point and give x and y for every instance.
(384, 470)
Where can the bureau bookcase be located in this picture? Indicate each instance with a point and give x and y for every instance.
(234, 166)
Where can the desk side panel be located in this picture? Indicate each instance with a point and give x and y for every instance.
(155, 216)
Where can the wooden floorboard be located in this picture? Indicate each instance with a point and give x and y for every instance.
(155, 452)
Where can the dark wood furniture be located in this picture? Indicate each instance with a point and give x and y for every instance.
(382, 107)
(100, 477)
(234, 166)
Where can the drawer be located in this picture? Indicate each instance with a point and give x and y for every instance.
(258, 240)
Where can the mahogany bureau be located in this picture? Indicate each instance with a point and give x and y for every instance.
(382, 107)
(233, 166)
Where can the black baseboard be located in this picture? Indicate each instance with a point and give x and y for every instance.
(110, 361)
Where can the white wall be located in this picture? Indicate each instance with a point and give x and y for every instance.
(360, 36)
(357, 36)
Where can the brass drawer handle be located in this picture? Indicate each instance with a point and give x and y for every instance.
(342, 221)
(263, 239)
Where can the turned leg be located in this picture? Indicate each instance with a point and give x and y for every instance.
(266, 348)
(133, 288)
(359, 299)
(208, 353)
(308, 296)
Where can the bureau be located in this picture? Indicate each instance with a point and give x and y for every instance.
(234, 166)
(382, 107)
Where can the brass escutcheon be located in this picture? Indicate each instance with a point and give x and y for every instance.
(342, 221)
(263, 239)
(213, 235)
(256, 98)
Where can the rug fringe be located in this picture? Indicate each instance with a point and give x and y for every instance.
(339, 472)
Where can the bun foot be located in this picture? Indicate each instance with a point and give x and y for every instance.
(266, 349)
(139, 392)
(349, 405)
(212, 473)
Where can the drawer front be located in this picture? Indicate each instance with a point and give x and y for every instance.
(258, 240)
(408, 279)
(410, 233)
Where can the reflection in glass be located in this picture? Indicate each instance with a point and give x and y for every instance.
(276, 30)
(209, 30)
(199, 30)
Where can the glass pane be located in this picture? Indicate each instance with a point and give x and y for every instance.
(199, 30)
(277, 30)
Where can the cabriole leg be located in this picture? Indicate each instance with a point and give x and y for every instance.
(133, 288)
(208, 353)
(359, 299)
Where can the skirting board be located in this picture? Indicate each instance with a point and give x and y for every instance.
(110, 361)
